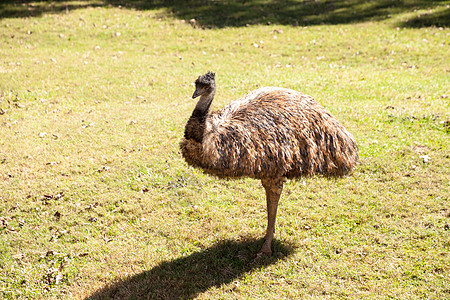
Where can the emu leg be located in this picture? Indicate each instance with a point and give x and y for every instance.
(273, 188)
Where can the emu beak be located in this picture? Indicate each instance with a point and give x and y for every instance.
(196, 94)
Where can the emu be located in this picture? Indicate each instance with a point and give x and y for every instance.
(271, 134)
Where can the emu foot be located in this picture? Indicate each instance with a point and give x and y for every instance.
(266, 250)
(263, 253)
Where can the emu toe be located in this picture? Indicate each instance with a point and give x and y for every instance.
(264, 252)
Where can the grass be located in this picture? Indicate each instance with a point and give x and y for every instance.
(96, 201)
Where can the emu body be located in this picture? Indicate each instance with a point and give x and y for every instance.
(271, 134)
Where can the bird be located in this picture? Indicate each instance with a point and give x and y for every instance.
(271, 134)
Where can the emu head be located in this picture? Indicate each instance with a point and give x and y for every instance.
(204, 84)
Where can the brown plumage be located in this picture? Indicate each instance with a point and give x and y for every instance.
(270, 134)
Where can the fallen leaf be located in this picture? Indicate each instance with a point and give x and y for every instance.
(420, 149)
(87, 125)
(425, 158)
(52, 276)
(59, 195)
(57, 235)
(103, 169)
(91, 206)
(19, 256)
(446, 124)
(3, 223)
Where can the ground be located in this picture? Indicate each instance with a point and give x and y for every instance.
(96, 200)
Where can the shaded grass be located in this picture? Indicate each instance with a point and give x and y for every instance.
(186, 277)
(96, 199)
(225, 13)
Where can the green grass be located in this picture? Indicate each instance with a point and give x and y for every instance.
(96, 200)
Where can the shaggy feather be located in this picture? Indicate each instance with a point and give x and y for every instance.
(272, 131)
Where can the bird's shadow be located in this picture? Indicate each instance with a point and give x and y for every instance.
(188, 276)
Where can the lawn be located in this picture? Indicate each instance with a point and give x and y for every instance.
(96, 201)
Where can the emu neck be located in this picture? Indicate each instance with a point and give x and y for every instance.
(195, 127)
(203, 105)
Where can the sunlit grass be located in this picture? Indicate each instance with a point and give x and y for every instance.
(94, 191)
